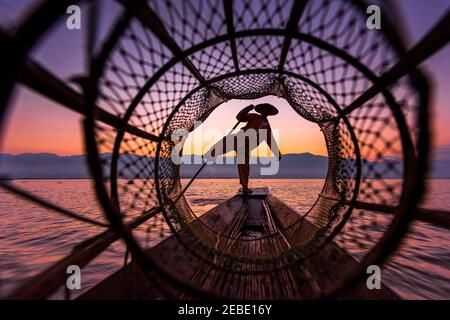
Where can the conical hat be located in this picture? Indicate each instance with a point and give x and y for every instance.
(266, 109)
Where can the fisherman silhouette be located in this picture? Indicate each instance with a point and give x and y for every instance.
(248, 138)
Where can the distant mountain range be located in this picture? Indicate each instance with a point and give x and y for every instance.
(292, 166)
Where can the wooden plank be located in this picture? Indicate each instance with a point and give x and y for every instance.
(432, 42)
(325, 267)
(440, 218)
(151, 20)
(168, 250)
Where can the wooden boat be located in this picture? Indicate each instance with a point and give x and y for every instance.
(264, 214)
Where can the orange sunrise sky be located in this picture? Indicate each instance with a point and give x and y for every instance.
(36, 124)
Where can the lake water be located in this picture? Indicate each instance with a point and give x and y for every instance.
(32, 238)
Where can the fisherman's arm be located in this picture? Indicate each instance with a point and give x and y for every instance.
(242, 115)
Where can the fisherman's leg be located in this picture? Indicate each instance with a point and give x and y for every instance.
(244, 167)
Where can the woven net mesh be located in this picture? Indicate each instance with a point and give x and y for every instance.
(163, 74)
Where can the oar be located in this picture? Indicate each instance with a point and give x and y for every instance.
(201, 168)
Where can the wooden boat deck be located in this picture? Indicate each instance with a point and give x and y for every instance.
(257, 215)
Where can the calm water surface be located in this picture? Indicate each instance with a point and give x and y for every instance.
(32, 238)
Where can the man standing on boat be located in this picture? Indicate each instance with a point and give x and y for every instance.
(248, 138)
